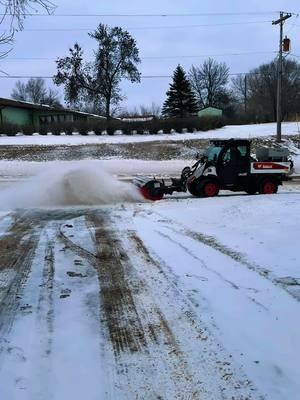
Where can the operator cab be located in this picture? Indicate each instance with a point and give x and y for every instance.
(232, 160)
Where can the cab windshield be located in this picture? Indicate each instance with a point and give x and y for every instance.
(213, 152)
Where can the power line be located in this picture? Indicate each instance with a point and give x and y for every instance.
(147, 27)
(51, 77)
(25, 77)
(208, 55)
(155, 76)
(148, 15)
(142, 77)
(148, 57)
(292, 25)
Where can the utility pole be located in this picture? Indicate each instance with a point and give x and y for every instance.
(245, 93)
(280, 21)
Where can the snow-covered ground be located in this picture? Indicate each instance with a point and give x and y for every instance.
(235, 258)
(230, 131)
(106, 296)
(152, 300)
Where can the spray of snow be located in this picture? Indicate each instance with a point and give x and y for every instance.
(69, 186)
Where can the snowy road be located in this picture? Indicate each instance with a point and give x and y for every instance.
(151, 301)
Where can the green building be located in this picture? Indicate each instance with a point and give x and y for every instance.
(24, 113)
(210, 112)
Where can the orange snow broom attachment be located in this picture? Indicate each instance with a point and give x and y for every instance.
(151, 189)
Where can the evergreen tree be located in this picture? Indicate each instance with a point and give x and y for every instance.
(181, 101)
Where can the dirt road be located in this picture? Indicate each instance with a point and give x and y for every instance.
(88, 312)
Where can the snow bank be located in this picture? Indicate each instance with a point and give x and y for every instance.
(229, 131)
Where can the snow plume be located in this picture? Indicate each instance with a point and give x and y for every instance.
(79, 184)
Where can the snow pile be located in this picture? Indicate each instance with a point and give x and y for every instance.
(226, 132)
(68, 186)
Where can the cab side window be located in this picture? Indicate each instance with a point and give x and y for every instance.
(226, 156)
(234, 153)
(242, 150)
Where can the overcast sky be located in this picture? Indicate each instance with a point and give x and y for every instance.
(168, 40)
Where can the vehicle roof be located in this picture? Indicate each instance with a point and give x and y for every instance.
(222, 142)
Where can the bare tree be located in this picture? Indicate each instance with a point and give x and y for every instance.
(19, 92)
(5, 40)
(35, 91)
(16, 10)
(116, 58)
(142, 110)
(241, 90)
(195, 79)
(209, 81)
(153, 109)
(13, 13)
(52, 98)
(263, 90)
(129, 112)
(257, 91)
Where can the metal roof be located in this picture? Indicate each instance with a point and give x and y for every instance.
(40, 107)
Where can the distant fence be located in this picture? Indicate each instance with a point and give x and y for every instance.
(100, 127)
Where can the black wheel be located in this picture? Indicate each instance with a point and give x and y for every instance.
(193, 189)
(204, 188)
(251, 189)
(186, 172)
(268, 186)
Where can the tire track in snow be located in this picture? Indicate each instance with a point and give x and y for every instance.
(127, 332)
(17, 248)
(136, 325)
(205, 266)
(178, 359)
(115, 293)
(45, 307)
(190, 253)
(79, 250)
(46, 363)
(119, 310)
(158, 349)
(242, 260)
(5, 222)
(289, 286)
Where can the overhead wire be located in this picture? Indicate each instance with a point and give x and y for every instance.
(145, 15)
(73, 29)
(150, 57)
(292, 25)
(150, 15)
(142, 77)
(51, 77)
